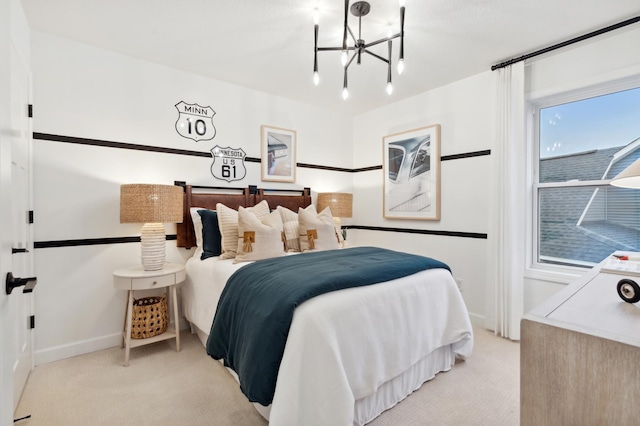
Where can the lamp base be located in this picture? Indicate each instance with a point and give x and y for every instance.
(153, 239)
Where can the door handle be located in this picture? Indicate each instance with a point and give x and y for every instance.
(13, 282)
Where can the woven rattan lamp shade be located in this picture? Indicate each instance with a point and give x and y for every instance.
(629, 177)
(152, 205)
(340, 203)
(149, 203)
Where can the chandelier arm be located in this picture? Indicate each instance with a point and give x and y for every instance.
(349, 62)
(378, 56)
(323, 49)
(389, 65)
(315, 49)
(382, 40)
(346, 24)
(352, 35)
(345, 87)
(402, 34)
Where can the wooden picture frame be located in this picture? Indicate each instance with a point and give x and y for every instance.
(411, 174)
(278, 154)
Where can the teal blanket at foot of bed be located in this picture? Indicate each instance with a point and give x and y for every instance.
(252, 321)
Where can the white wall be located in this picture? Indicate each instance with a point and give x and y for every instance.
(87, 92)
(464, 111)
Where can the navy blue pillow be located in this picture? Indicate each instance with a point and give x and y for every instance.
(211, 237)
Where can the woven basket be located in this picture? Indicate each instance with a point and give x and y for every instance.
(150, 317)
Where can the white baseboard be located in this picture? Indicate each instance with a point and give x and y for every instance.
(76, 348)
(477, 320)
(82, 347)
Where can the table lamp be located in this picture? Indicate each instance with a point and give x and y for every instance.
(341, 205)
(629, 177)
(152, 205)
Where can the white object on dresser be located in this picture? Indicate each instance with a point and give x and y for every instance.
(136, 278)
(580, 355)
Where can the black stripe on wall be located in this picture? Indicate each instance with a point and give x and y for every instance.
(465, 155)
(122, 240)
(420, 231)
(91, 242)
(149, 148)
(121, 145)
(318, 167)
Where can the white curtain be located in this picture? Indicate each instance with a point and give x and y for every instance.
(507, 237)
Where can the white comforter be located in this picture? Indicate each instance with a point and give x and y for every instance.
(342, 346)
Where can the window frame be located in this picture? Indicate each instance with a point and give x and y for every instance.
(541, 270)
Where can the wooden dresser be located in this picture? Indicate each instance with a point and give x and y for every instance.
(580, 356)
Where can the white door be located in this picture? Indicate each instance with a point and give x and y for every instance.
(20, 302)
(16, 241)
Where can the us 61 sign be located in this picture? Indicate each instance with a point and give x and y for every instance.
(228, 163)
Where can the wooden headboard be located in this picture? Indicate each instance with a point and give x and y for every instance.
(208, 196)
(285, 198)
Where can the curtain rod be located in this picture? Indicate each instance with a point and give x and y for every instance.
(567, 43)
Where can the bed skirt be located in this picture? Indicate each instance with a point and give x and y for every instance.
(387, 395)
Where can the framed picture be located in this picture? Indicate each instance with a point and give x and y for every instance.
(411, 168)
(278, 154)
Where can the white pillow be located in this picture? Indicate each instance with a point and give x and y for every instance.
(197, 224)
(291, 228)
(228, 223)
(317, 230)
(259, 238)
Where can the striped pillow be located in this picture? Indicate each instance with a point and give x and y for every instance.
(228, 222)
(290, 226)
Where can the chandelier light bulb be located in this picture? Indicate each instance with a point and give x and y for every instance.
(344, 57)
(316, 78)
(345, 93)
(389, 88)
(316, 17)
(400, 66)
(402, 2)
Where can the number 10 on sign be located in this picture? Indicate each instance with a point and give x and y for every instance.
(195, 122)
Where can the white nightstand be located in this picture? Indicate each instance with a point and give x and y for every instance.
(136, 278)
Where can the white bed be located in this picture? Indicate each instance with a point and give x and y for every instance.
(350, 354)
(354, 353)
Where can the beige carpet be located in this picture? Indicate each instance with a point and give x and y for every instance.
(164, 387)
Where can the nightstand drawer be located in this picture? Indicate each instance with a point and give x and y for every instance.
(144, 283)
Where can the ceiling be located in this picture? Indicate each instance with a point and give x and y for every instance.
(268, 45)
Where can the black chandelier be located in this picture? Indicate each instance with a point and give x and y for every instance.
(359, 9)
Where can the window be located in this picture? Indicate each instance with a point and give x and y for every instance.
(396, 155)
(580, 218)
